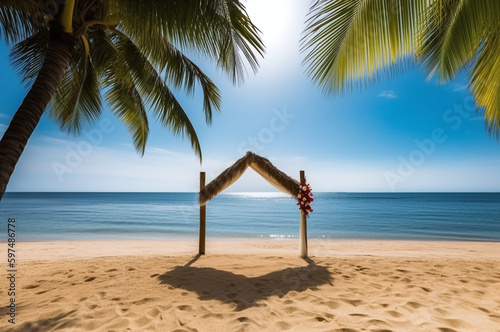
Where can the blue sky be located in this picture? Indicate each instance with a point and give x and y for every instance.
(401, 134)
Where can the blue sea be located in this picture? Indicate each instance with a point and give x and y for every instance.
(407, 216)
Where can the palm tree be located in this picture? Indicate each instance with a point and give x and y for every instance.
(351, 42)
(75, 53)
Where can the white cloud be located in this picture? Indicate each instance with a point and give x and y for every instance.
(477, 118)
(457, 87)
(388, 94)
(51, 140)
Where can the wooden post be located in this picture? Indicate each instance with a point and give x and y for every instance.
(303, 224)
(203, 218)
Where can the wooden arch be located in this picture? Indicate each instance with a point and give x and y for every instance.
(265, 169)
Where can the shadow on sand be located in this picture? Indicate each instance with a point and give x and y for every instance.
(242, 291)
(61, 322)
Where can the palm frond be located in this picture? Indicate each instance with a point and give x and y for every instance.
(27, 57)
(451, 35)
(19, 19)
(219, 31)
(102, 50)
(125, 101)
(349, 41)
(77, 101)
(156, 93)
(63, 106)
(182, 73)
(120, 91)
(458, 35)
(242, 37)
(485, 81)
(126, 46)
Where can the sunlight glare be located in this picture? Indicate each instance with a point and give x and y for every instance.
(273, 18)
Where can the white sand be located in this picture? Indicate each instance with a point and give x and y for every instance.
(255, 286)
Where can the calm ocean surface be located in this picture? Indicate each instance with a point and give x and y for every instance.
(420, 216)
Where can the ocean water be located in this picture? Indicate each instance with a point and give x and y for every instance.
(410, 216)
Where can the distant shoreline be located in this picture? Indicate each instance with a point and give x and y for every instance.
(62, 250)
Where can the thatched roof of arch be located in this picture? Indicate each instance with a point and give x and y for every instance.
(261, 165)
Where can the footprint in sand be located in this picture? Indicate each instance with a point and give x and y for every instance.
(454, 323)
(446, 329)
(414, 305)
(352, 302)
(59, 299)
(360, 268)
(495, 317)
(358, 315)
(153, 312)
(31, 286)
(290, 310)
(184, 307)
(145, 300)
(282, 325)
(394, 313)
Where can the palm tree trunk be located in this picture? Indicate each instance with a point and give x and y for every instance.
(27, 117)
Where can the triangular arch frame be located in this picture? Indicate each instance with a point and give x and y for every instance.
(264, 168)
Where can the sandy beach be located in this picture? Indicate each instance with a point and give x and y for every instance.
(243, 285)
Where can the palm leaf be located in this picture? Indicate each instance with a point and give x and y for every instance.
(182, 73)
(485, 82)
(27, 57)
(119, 87)
(349, 41)
(463, 34)
(156, 93)
(450, 38)
(125, 101)
(19, 19)
(219, 31)
(126, 46)
(77, 101)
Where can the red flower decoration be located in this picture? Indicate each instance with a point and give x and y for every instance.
(305, 198)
